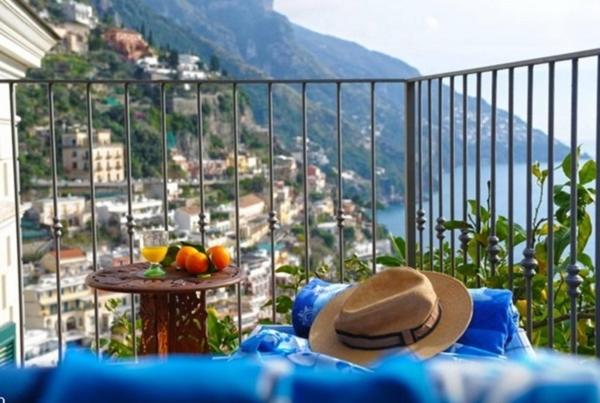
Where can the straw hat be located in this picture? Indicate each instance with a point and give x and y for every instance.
(396, 310)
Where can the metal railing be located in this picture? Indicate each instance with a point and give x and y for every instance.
(424, 175)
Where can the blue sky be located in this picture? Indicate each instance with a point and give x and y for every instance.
(444, 35)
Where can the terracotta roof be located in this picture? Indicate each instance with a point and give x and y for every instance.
(249, 200)
(191, 210)
(70, 253)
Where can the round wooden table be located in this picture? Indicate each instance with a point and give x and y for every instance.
(172, 308)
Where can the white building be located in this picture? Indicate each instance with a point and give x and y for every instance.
(24, 40)
(156, 190)
(316, 179)
(71, 209)
(79, 12)
(187, 218)
(77, 299)
(114, 211)
(188, 68)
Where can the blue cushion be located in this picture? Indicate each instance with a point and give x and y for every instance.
(177, 379)
(494, 322)
(17, 385)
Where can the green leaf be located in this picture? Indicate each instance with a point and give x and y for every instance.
(587, 173)
(284, 304)
(483, 214)
(390, 261)
(584, 230)
(538, 173)
(171, 255)
(289, 269)
(585, 259)
(398, 245)
(566, 163)
(456, 224)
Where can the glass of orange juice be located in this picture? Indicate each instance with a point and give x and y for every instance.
(155, 244)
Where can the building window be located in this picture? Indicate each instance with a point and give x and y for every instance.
(75, 165)
(5, 178)
(74, 153)
(8, 251)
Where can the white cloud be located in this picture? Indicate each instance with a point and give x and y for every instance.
(432, 23)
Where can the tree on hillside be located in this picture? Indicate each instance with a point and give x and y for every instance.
(215, 63)
(173, 59)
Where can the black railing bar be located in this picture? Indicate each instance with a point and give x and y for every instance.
(510, 240)
(510, 65)
(420, 212)
(493, 239)
(240, 81)
(238, 249)
(550, 201)
(597, 221)
(529, 263)
(440, 220)
(573, 280)
(130, 221)
(464, 236)
(478, 174)
(373, 181)
(202, 223)
(340, 213)
(17, 201)
(272, 213)
(57, 226)
(409, 174)
(452, 172)
(93, 209)
(165, 173)
(430, 172)
(305, 182)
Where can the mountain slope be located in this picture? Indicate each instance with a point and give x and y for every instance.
(253, 41)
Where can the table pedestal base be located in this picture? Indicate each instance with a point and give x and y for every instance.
(173, 323)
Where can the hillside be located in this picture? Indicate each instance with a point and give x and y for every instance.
(254, 41)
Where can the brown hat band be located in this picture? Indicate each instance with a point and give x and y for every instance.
(399, 339)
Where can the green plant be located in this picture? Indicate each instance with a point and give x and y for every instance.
(497, 275)
(222, 333)
(120, 342)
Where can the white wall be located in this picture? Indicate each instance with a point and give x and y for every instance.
(23, 42)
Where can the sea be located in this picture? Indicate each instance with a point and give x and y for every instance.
(393, 216)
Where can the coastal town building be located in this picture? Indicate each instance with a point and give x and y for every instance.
(114, 211)
(285, 168)
(74, 37)
(127, 42)
(108, 157)
(24, 40)
(73, 261)
(79, 12)
(71, 211)
(316, 179)
(77, 306)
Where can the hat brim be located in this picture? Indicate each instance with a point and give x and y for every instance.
(456, 311)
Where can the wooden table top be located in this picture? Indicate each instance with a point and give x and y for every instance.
(130, 279)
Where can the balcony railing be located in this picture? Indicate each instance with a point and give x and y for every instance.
(430, 182)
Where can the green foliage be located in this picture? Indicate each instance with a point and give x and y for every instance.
(222, 333)
(120, 342)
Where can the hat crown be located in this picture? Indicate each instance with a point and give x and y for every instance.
(396, 300)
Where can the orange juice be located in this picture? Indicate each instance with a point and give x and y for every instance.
(154, 254)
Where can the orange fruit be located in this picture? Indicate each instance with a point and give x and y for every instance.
(219, 256)
(197, 263)
(182, 256)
